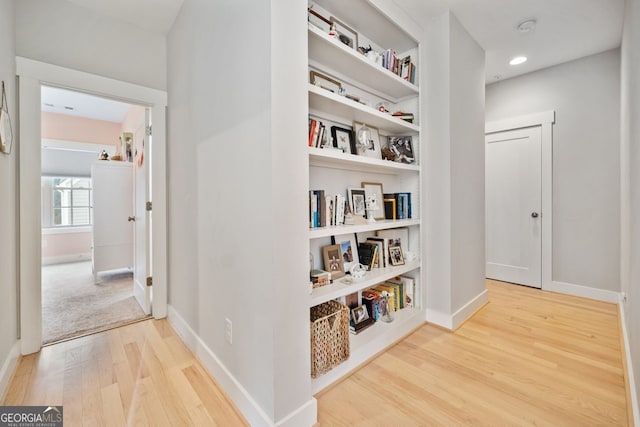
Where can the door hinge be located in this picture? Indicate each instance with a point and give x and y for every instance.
(148, 130)
(149, 206)
(149, 281)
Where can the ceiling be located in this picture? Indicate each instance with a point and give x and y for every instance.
(62, 101)
(565, 30)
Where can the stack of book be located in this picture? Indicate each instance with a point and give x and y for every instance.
(403, 67)
(397, 205)
(317, 133)
(326, 210)
(356, 328)
(320, 278)
(407, 117)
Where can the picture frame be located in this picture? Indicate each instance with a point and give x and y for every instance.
(396, 256)
(402, 148)
(359, 314)
(357, 199)
(345, 34)
(372, 136)
(343, 139)
(324, 81)
(348, 249)
(375, 189)
(318, 20)
(333, 261)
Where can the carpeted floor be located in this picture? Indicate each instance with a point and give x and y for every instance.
(73, 305)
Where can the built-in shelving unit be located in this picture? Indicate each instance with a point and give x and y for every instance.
(335, 171)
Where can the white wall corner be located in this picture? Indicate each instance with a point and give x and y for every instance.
(8, 367)
(440, 319)
(584, 291)
(306, 415)
(467, 310)
(253, 413)
(631, 382)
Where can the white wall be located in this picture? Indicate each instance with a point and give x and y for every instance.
(8, 224)
(454, 185)
(585, 95)
(630, 179)
(237, 244)
(61, 33)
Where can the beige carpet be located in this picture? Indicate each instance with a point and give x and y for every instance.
(73, 305)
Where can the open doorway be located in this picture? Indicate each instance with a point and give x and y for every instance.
(95, 237)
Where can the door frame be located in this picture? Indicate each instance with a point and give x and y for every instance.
(545, 120)
(31, 75)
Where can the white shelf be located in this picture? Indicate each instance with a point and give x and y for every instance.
(370, 342)
(338, 160)
(339, 289)
(341, 58)
(315, 233)
(323, 101)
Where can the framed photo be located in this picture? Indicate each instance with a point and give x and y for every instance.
(348, 249)
(345, 34)
(359, 314)
(343, 139)
(374, 196)
(325, 82)
(402, 148)
(333, 261)
(395, 255)
(367, 140)
(357, 201)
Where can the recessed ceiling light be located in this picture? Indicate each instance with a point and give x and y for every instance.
(518, 60)
(527, 25)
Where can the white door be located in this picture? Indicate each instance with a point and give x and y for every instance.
(142, 195)
(513, 202)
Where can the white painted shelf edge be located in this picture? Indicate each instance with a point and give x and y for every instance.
(339, 288)
(338, 159)
(315, 233)
(368, 343)
(362, 112)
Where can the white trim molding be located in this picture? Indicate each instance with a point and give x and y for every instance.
(631, 380)
(7, 369)
(66, 259)
(584, 291)
(254, 414)
(545, 120)
(452, 322)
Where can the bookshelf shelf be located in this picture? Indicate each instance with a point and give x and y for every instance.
(339, 57)
(339, 289)
(315, 233)
(323, 102)
(338, 160)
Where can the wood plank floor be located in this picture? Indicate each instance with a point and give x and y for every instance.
(140, 374)
(527, 358)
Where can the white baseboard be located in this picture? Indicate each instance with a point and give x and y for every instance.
(466, 311)
(584, 291)
(65, 259)
(456, 319)
(630, 377)
(305, 415)
(7, 369)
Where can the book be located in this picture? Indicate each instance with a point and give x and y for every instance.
(370, 301)
(312, 128)
(366, 253)
(382, 257)
(320, 278)
(398, 293)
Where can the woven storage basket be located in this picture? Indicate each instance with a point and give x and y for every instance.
(329, 336)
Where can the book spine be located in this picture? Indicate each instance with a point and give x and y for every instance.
(312, 128)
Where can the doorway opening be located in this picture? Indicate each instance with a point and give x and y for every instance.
(94, 189)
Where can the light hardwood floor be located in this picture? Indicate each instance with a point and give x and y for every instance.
(139, 374)
(527, 358)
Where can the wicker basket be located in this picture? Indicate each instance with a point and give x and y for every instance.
(329, 336)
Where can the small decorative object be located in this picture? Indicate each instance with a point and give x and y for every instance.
(395, 255)
(367, 141)
(387, 154)
(324, 82)
(104, 155)
(6, 131)
(333, 31)
(372, 206)
(358, 271)
(345, 34)
(333, 261)
(382, 107)
(383, 305)
(402, 149)
(409, 256)
(373, 192)
(343, 139)
(364, 50)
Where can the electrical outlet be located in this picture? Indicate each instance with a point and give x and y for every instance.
(228, 331)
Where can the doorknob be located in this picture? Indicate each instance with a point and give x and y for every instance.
(133, 218)
(534, 214)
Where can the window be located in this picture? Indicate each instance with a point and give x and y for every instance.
(70, 201)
